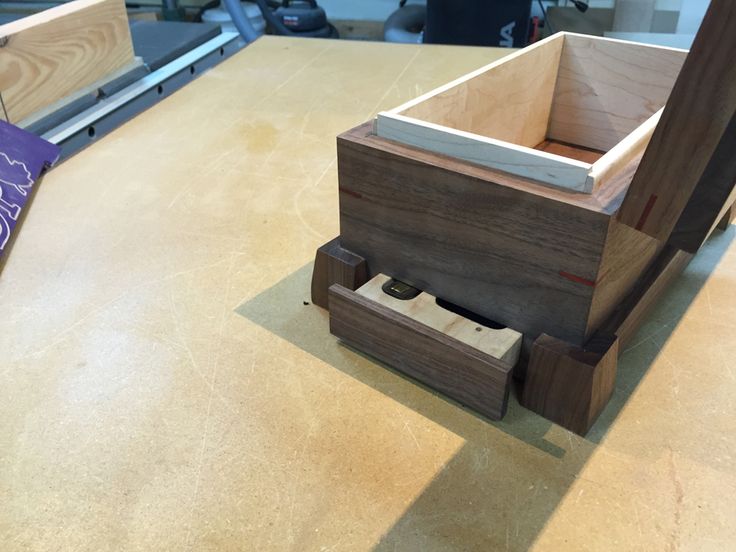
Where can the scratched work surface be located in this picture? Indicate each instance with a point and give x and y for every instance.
(164, 386)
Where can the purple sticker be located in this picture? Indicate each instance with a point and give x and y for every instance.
(23, 157)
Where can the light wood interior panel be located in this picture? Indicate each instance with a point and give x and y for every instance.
(545, 167)
(503, 344)
(510, 101)
(50, 55)
(606, 88)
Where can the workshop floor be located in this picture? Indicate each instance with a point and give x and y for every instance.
(166, 386)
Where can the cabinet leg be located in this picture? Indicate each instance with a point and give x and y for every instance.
(335, 265)
(570, 385)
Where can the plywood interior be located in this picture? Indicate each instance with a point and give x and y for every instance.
(572, 90)
(509, 101)
(606, 88)
(569, 111)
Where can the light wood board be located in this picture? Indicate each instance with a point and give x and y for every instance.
(606, 88)
(503, 344)
(509, 100)
(596, 93)
(523, 161)
(50, 55)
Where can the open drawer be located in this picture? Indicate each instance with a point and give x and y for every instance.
(568, 111)
(464, 359)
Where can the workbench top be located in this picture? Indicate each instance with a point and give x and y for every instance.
(166, 384)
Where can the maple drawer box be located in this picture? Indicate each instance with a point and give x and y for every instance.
(568, 111)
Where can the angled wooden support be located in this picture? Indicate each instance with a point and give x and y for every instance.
(335, 265)
(570, 385)
(688, 170)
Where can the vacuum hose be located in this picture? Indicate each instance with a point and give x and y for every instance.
(406, 24)
(241, 21)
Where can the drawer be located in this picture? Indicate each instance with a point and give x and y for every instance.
(450, 353)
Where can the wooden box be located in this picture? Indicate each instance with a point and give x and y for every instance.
(567, 111)
(505, 233)
(542, 193)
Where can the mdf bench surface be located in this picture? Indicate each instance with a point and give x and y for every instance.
(165, 387)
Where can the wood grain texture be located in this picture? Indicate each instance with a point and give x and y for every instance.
(626, 256)
(694, 124)
(569, 385)
(524, 255)
(631, 310)
(630, 148)
(503, 344)
(508, 100)
(335, 265)
(607, 88)
(453, 368)
(52, 54)
(712, 196)
(519, 160)
(596, 93)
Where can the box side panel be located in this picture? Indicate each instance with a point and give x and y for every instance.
(520, 259)
(544, 167)
(626, 256)
(510, 102)
(607, 88)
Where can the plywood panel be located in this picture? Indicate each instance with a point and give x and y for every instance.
(606, 88)
(563, 172)
(509, 100)
(52, 54)
(626, 256)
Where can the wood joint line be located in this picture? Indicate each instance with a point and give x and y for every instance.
(577, 279)
(645, 213)
(350, 192)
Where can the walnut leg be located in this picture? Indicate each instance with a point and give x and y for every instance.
(335, 265)
(569, 385)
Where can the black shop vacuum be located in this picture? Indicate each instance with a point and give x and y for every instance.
(303, 18)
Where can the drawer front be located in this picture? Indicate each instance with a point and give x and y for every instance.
(462, 372)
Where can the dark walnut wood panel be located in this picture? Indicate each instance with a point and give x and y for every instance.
(628, 315)
(712, 196)
(465, 374)
(690, 156)
(626, 256)
(526, 260)
(569, 385)
(335, 265)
